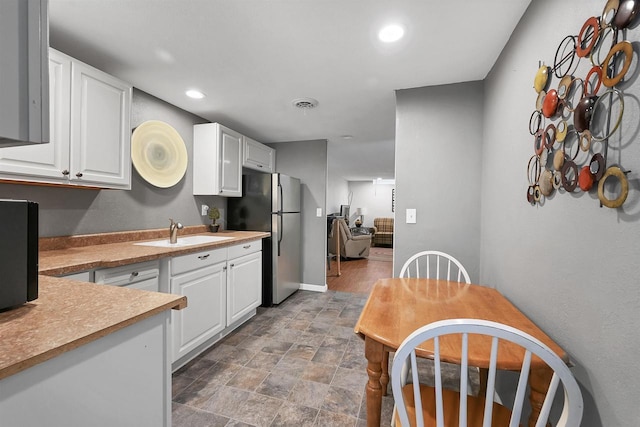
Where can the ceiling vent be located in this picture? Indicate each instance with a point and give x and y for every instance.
(305, 103)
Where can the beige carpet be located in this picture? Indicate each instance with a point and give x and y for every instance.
(381, 254)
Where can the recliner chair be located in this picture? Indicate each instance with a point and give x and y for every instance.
(350, 246)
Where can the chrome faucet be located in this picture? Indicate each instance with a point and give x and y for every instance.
(173, 231)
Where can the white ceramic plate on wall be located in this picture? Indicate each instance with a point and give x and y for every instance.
(158, 153)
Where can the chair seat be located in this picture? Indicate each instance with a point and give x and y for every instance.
(451, 404)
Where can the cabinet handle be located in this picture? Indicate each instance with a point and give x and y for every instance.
(134, 274)
(259, 166)
(204, 256)
(224, 268)
(79, 174)
(65, 172)
(246, 246)
(232, 265)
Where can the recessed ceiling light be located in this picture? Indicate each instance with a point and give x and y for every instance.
(391, 33)
(347, 136)
(195, 94)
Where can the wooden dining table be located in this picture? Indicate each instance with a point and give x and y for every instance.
(398, 306)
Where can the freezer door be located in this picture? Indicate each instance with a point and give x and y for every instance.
(286, 255)
(253, 210)
(286, 193)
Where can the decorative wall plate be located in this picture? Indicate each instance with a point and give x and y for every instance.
(158, 153)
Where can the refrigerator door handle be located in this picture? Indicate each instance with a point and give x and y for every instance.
(280, 231)
(280, 201)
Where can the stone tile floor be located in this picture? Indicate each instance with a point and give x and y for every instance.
(297, 364)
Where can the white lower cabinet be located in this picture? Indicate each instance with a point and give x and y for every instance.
(202, 278)
(223, 289)
(122, 379)
(244, 284)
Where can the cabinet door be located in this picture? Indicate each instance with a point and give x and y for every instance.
(257, 156)
(46, 160)
(204, 316)
(230, 163)
(100, 128)
(24, 104)
(244, 286)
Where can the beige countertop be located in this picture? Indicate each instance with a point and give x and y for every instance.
(66, 255)
(68, 314)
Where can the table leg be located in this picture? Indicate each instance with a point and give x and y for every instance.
(539, 380)
(483, 376)
(373, 351)
(384, 378)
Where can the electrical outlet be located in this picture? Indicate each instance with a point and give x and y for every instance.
(204, 210)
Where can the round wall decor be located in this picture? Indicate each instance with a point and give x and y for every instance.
(158, 153)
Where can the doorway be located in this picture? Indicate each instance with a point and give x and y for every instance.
(359, 274)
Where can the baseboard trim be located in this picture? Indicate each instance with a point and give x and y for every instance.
(313, 288)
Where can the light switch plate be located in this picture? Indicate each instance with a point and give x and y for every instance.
(319, 212)
(411, 216)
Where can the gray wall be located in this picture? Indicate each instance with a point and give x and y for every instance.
(307, 160)
(438, 147)
(338, 193)
(66, 211)
(570, 265)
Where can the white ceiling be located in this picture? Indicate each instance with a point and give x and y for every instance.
(253, 57)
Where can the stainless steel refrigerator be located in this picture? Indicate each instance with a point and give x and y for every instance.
(271, 202)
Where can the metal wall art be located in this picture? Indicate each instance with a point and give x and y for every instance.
(575, 117)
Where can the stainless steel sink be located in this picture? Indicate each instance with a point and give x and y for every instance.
(184, 241)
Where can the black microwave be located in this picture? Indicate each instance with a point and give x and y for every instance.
(18, 252)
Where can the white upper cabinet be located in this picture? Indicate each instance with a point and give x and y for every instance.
(217, 160)
(258, 156)
(100, 128)
(90, 131)
(24, 93)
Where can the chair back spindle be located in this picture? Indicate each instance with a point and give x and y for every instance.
(432, 260)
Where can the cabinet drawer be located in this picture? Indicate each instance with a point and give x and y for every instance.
(128, 274)
(184, 263)
(150, 284)
(245, 249)
(82, 276)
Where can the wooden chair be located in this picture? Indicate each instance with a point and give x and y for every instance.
(431, 261)
(427, 264)
(421, 405)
